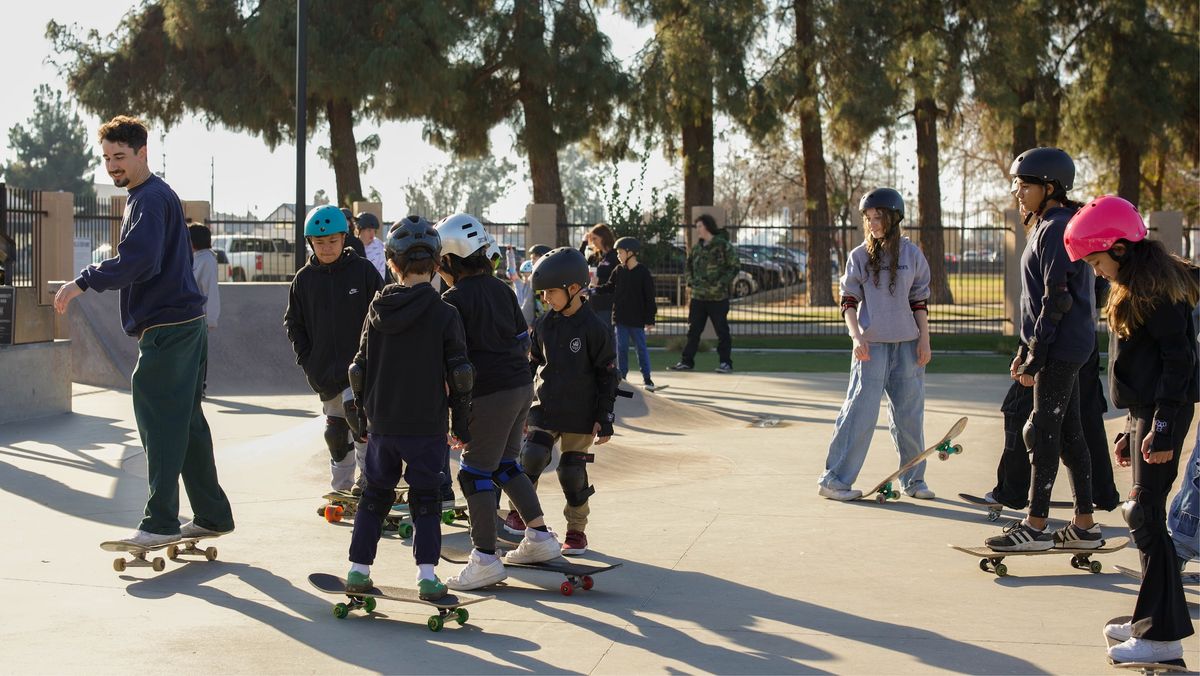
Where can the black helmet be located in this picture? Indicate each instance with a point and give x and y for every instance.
(560, 268)
(631, 244)
(348, 214)
(1045, 165)
(412, 239)
(882, 198)
(366, 220)
(539, 250)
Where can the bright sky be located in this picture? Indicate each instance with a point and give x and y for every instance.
(248, 176)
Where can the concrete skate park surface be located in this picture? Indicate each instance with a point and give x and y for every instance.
(732, 563)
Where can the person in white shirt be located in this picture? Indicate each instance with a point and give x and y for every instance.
(368, 232)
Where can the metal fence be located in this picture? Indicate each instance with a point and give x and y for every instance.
(97, 229)
(21, 214)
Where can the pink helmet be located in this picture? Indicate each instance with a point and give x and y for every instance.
(1099, 224)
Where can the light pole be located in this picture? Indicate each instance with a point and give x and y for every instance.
(298, 256)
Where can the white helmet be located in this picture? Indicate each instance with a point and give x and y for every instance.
(463, 235)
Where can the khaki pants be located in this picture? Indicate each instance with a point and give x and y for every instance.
(577, 516)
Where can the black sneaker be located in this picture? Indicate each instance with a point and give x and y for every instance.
(725, 367)
(648, 384)
(681, 366)
(1020, 537)
(1074, 537)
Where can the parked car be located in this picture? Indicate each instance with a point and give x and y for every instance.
(224, 269)
(257, 259)
(743, 285)
(980, 260)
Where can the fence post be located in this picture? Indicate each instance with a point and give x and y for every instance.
(117, 205)
(1168, 227)
(543, 224)
(55, 244)
(1014, 245)
(375, 208)
(197, 210)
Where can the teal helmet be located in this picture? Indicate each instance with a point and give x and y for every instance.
(324, 220)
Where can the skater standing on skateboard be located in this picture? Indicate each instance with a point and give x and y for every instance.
(1057, 336)
(884, 295)
(163, 308)
(572, 359)
(1152, 373)
(634, 308)
(498, 348)
(326, 307)
(410, 378)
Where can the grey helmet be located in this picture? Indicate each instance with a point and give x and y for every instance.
(412, 239)
(882, 198)
(560, 268)
(632, 244)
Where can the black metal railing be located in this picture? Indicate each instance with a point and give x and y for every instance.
(21, 214)
(97, 228)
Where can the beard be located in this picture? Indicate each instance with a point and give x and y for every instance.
(122, 181)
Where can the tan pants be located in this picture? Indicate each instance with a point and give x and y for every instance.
(577, 517)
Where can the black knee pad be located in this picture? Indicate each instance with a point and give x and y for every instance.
(507, 471)
(371, 503)
(535, 452)
(1140, 514)
(424, 501)
(473, 481)
(337, 438)
(572, 474)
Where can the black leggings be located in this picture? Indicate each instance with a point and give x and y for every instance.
(1161, 613)
(1054, 431)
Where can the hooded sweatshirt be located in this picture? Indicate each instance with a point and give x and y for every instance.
(410, 338)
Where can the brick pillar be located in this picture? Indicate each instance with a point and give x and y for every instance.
(55, 244)
(375, 208)
(543, 224)
(1014, 244)
(1168, 226)
(197, 210)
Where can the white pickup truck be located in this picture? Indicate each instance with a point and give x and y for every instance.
(257, 259)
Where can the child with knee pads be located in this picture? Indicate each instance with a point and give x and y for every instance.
(1152, 373)
(410, 378)
(327, 303)
(498, 347)
(572, 359)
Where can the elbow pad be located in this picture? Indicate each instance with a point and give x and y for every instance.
(461, 379)
(919, 305)
(1058, 302)
(358, 379)
(848, 303)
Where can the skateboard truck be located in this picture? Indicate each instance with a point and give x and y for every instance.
(190, 549)
(139, 560)
(886, 492)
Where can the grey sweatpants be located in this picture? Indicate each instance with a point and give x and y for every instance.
(342, 473)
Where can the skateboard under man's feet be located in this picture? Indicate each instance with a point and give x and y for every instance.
(139, 554)
(1147, 668)
(578, 575)
(450, 604)
(991, 561)
(995, 508)
(884, 491)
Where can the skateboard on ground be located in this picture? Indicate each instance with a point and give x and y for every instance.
(449, 606)
(139, 554)
(1191, 579)
(1144, 667)
(656, 388)
(451, 511)
(992, 560)
(883, 491)
(994, 508)
(578, 575)
(343, 504)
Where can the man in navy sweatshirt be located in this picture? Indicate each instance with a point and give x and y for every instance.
(163, 308)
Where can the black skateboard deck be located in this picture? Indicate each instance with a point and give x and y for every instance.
(450, 604)
(139, 558)
(577, 574)
(1144, 667)
(883, 491)
(991, 561)
(994, 508)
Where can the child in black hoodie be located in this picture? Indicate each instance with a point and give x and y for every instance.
(634, 307)
(572, 357)
(1152, 372)
(410, 371)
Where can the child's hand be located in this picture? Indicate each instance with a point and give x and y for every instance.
(456, 444)
(1121, 450)
(600, 441)
(1151, 456)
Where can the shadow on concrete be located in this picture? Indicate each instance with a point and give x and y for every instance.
(235, 407)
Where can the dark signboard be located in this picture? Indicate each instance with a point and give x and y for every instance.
(7, 313)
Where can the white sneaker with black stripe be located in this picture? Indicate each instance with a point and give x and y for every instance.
(1021, 537)
(1074, 537)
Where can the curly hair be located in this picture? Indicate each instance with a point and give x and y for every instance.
(886, 251)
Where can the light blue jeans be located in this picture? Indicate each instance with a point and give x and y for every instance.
(892, 369)
(638, 334)
(1185, 508)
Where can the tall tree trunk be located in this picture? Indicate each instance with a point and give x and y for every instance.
(698, 158)
(1129, 169)
(343, 152)
(929, 199)
(816, 199)
(538, 135)
(1024, 132)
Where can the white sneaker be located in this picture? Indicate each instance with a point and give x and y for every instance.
(478, 573)
(922, 493)
(1119, 632)
(845, 495)
(1145, 650)
(191, 530)
(141, 538)
(530, 551)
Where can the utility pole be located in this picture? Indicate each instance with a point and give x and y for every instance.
(212, 179)
(298, 256)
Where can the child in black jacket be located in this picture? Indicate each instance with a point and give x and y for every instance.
(1152, 372)
(327, 303)
(410, 371)
(634, 307)
(576, 382)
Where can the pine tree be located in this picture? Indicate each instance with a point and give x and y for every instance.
(52, 150)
